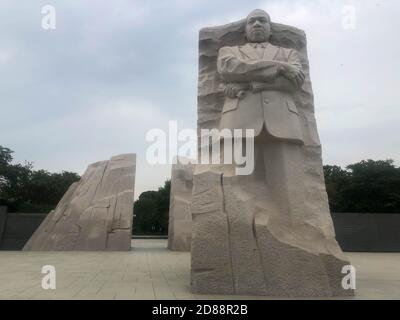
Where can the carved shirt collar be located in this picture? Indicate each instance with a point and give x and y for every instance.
(259, 45)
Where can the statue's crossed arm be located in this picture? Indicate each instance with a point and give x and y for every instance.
(240, 74)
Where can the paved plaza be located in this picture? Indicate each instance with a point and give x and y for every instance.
(150, 271)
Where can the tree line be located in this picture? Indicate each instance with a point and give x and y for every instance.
(23, 189)
(151, 212)
(367, 187)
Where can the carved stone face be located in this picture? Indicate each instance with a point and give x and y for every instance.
(258, 26)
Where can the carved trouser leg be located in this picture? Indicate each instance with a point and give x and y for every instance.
(284, 174)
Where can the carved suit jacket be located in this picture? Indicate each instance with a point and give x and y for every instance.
(271, 105)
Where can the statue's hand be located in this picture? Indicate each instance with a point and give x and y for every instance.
(235, 90)
(294, 74)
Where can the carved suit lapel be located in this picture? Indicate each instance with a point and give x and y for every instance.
(270, 52)
(248, 51)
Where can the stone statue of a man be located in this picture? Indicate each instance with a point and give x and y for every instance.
(270, 232)
(260, 79)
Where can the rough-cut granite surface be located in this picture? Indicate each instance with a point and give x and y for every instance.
(180, 217)
(95, 213)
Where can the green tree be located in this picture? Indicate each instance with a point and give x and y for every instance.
(368, 186)
(335, 179)
(44, 190)
(23, 189)
(374, 187)
(13, 180)
(5, 156)
(151, 211)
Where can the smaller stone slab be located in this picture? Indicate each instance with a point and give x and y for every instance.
(95, 214)
(180, 218)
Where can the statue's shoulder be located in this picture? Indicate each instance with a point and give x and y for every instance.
(284, 53)
(284, 50)
(229, 49)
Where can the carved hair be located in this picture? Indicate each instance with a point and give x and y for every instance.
(258, 12)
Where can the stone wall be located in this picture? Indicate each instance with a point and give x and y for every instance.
(367, 232)
(17, 228)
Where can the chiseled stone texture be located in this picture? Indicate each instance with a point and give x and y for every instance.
(242, 243)
(180, 218)
(95, 214)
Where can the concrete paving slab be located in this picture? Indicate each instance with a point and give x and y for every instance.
(151, 271)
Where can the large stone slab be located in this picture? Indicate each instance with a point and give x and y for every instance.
(180, 218)
(269, 233)
(95, 214)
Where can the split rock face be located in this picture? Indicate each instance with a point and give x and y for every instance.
(95, 214)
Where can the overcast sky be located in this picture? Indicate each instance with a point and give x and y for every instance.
(112, 70)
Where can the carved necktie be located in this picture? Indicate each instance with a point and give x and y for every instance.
(260, 50)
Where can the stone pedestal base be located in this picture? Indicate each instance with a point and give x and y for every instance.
(241, 245)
